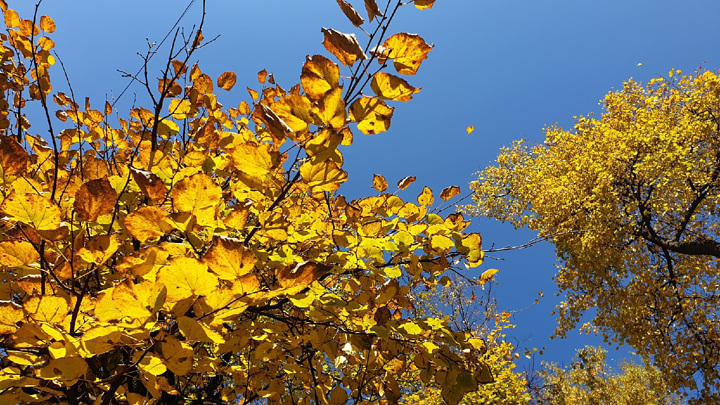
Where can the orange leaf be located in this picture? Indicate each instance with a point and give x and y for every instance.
(345, 47)
(424, 4)
(95, 198)
(262, 76)
(13, 158)
(148, 223)
(12, 20)
(227, 80)
(379, 183)
(297, 277)
(405, 182)
(449, 192)
(150, 184)
(47, 24)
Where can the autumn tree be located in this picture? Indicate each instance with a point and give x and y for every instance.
(631, 203)
(186, 252)
(472, 309)
(590, 380)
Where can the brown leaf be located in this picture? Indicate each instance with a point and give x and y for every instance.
(47, 24)
(405, 182)
(94, 198)
(262, 76)
(350, 13)
(297, 277)
(372, 9)
(150, 184)
(345, 47)
(227, 80)
(13, 157)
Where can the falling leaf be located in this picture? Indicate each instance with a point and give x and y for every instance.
(407, 51)
(226, 81)
(469, 129)
(351, 13)
(345, 47)
(389, 87)
(371, 114)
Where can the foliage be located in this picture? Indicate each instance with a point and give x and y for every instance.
(192, 253)
(631, 203)
(589, 380)
(467, 308)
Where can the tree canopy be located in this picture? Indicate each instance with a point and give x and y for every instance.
(631, 202)
(188, 252)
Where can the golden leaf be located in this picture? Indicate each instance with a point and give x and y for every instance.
(12, 20)
(64, 369)
(350, 13)
(449, 192)
(345, 47)
(17, 253)
(10, 315)
(323, 176)
(150, 184)
(13, 158)
(332, 109)
(405, 182)
(324, 146)
(390, 87)
(101, 339)
(470, 129)
(424, 4)
(407, 51)
(184, 277)
(379, 183)
(372, 9)
(227, 80)
(199, 195)
(94, 198)
(178, 355)
(229, 259)
(32, 209)
(195, 331)
(487, 276)
(262, 76)
(426, 197)
(441, 243)
(148, 223)
(255, 160)
(371, 114)
(47, 308)
(297, 277)
(319, 75)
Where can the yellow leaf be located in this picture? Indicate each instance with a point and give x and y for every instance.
(331, 109)
(12, 20)
(100, 339)
(10, 315)
(371, 114)
(441, 243)
(389, 87)
(487, 276)
(178, 356)
(426, 197)
(199, 195)
(32, 209)
(323, 176)
(47, 308)
(94, 198)
(194, 331)
(255, 160)
(148, 223)
(17, 253)
(262, 76)
(64, 369)
(449, 192)
(152, 365)
(324, 146)
(469, 129)
(379, 183)
(181, 109)
(319, 75)
(407, 51)
(229, 259)
(411, 328)
(350, 13)
(345, 47)
(227, 80)
(185, 277)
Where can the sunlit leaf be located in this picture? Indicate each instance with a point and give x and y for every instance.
(372, 9)
(32, 209)
(184, 277)
(148, 223)
(379, 183)
(319, 75)
(449, 192)
(407, 51)
(13, 158)
(371, 114)
(426, 197)
(150, 184)
(48, 309)
(199, 195)
(226, 81)
(10, 315)
(350, 13)
(405, 182)
(95, 198)
(345, 47)
(390, 87)
(297, 277)
(229, 259)
(323, 176)
(424, 4)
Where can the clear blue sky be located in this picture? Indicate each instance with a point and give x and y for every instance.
(507, 67)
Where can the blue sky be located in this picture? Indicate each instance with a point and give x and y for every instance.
(509, 68)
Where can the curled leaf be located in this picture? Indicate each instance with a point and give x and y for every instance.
(449, 192)
(350, 13)
(345, 47)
